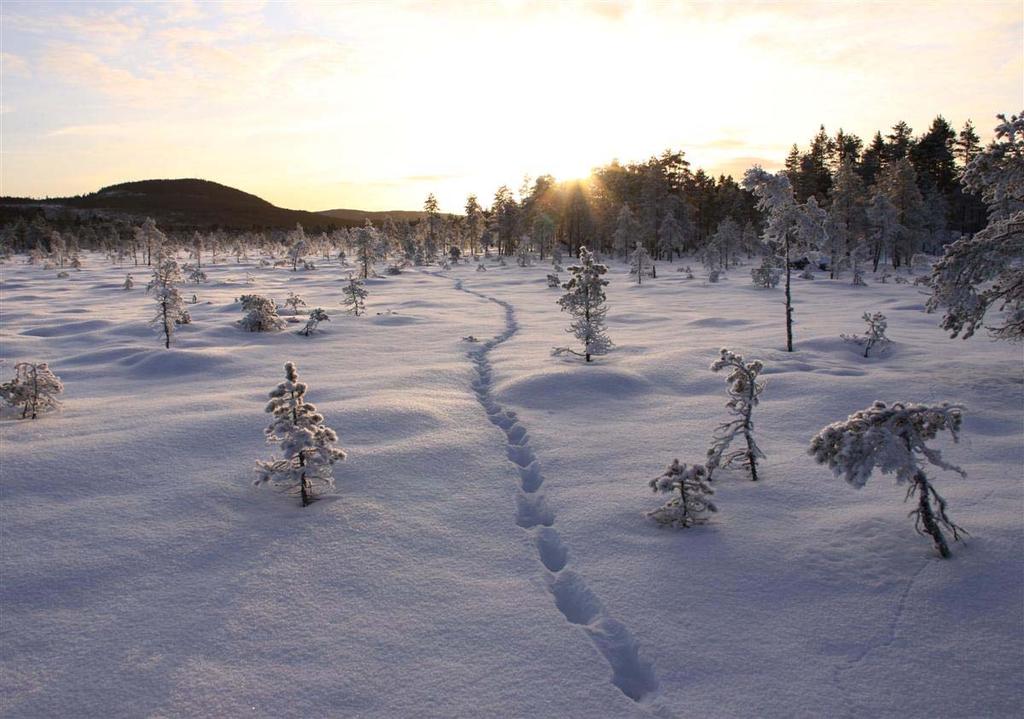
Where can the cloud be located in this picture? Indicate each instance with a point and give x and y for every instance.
(98, 130)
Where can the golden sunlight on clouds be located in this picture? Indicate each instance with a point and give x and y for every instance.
(315, 105)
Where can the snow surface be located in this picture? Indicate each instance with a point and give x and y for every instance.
(486, 553)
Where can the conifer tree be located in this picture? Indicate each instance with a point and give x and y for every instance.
(34, 389)
(309, 447)
(261, 314)
(693, 502)
(584, 299)
(627, 231)
(775, 197)
(847, 221)
(170, 305)
(892, 440)
(744, 394)
(316, 316)
(671, 239)
(294, 302)
(875, 334)
(355, 294)
(640, 263)
(298, 246)
(364, 249)
(980, 280)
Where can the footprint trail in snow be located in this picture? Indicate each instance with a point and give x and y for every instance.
(632, 674)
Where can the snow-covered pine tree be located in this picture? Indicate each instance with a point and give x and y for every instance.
(627, 231)
(981, 279)
(34, 389)
(523, 252)
(671, 239)
(316, 316)
(640, 263)
(847, 219)
(354, 296)
(744, 395)
(875, 334)
(892, 440)
(128, 282)
(298, 246)
(364, 249)
(768, 274)
(170, 305)
(294, 302)
(693, 502)
(883, 228)
(584, 299)
(261, 314)
(553, 281)
(307, 444)
(196, 275)
(775, 197)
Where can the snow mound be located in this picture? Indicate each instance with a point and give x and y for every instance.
(574, 387)
(68, 328)
(396, 320)
(173, 362)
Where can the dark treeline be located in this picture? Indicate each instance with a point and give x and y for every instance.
(898, 195)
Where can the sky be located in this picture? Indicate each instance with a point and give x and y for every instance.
(372, 105)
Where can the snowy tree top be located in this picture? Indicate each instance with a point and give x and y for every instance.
(887, 438)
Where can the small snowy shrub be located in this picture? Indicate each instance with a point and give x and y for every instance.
(34, 389)
(692, 504)
(744, 393)
(480, 267)
(584, 299)
(355, 294)
(62, 275)
(294, 302)
(197, 275)
(892, 440)
(554, 282)
(768, 274)
(687, 270)
(393, 269)
(261, 314)
(714, 276)
(128, 282)
(807, 274)
(316, 316)
(874, 336)
(308, 445)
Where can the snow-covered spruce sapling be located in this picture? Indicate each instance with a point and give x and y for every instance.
(354, 296)
(128, 282)
(584, 299)
(294, 302)
(307, 444)
(640, 263)
(692, 503)
(170, 306)
(34, 389)
(480, 267)
(768, 274)
(744, 394)
(197, 275)
(892, 440)
(316, 316)
(261, 314)
(554, 282)
(874, 336)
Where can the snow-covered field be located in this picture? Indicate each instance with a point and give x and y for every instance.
(485, 553)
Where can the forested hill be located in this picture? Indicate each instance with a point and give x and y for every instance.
(376, 217)
(184, 203)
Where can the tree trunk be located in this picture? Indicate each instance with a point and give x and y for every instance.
(789, 302)
(927, 517)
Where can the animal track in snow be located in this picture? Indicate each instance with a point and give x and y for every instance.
(633, 675)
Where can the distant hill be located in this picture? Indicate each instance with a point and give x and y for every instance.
(361, 216)
(187, 203)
